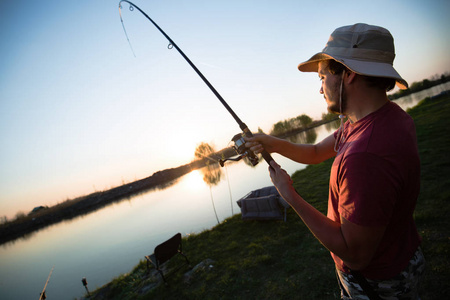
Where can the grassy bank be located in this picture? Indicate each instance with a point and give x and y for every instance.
(282, 260)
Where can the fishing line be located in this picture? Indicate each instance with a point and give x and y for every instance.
(171, 45)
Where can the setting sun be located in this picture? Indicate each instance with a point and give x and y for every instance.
(194, 180)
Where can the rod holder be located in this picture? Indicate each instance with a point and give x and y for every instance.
(84, 282)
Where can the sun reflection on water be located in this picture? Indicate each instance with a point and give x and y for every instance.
(194, 180)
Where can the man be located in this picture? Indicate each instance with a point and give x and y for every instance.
(374, 180)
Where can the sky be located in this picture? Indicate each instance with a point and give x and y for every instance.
(79, 112)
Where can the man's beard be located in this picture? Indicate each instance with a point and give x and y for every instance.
(335, 106)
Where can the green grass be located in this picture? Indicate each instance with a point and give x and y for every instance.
(278, 260)
(432, 211)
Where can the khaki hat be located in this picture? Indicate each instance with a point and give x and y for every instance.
(364, 49)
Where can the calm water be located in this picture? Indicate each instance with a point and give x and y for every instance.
(111, 241)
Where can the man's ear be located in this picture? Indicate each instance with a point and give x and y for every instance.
(350, 76)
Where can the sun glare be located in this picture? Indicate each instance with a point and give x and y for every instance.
(194, 180)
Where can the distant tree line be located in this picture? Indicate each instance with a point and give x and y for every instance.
(421, 85)
(300, 123)
(281, 127)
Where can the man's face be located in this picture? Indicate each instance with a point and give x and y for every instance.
(330, 88)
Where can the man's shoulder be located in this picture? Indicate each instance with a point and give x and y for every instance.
(386, 132)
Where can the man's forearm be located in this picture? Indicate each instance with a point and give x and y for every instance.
(354, 244)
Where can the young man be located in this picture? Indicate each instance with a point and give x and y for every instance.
(374, 180)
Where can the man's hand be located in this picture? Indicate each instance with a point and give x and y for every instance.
(282, 181)
(353, 243)
(260, 142)
(302, 153)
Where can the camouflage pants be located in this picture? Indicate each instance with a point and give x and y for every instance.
(405, 285)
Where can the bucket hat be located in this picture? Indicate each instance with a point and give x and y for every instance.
(364, 49)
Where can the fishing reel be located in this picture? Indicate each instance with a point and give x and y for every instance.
(241, 150)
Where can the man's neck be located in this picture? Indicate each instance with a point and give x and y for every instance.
(364, 104)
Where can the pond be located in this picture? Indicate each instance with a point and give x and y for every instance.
(104, 244)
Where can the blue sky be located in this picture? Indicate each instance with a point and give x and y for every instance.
(79, 113)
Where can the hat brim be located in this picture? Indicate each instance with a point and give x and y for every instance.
(375, 69)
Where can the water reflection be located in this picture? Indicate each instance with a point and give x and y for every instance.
(333, 125)
(305, 137)
(73, 210)
(408, 101)
(194, 180)
(212, 174)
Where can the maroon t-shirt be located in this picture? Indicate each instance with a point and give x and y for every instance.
(375, 181)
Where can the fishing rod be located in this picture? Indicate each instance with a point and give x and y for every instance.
(43, 296)
(238, 139)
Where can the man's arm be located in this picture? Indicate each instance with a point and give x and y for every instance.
(353, 243)
(301, 153)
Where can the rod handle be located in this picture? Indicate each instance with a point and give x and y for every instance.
(267, 157)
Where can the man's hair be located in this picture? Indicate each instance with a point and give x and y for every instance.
(335, 67)
(387, 84)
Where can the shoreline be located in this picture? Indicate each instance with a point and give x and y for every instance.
(71, 209)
